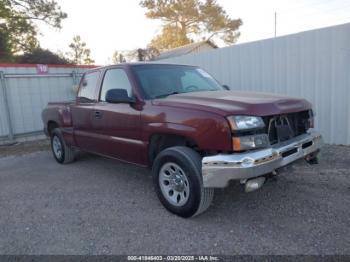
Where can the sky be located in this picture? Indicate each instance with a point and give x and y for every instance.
(120, 25)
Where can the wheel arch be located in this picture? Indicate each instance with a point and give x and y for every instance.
(160, 141)
(51, 125)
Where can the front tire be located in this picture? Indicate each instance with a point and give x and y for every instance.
(178, 182)
(61, 152)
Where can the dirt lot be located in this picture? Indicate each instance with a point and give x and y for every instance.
(24, 148)
(101, 206)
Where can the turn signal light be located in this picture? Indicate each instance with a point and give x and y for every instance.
(236, 143)
(250, 142)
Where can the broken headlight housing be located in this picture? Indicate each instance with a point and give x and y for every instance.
(242, 142)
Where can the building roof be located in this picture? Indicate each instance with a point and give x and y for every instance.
(183, 50)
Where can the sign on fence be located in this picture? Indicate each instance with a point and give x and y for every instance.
(42, 69)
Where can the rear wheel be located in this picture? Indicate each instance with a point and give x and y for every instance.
(61, 152)
(178, 182)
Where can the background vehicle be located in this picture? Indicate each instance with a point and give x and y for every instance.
(194, 133)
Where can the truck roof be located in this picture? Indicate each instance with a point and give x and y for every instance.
(131, 64)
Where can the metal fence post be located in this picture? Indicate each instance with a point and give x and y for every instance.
(74, 77)
(75, 81)
(7, 108)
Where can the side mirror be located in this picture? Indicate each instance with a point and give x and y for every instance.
(118, 96)
(226, 87)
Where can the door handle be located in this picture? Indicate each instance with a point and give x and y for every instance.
(98, 114)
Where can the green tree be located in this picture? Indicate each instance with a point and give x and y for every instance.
(143, 54)
(118, 58)
(79, 53)
(186, 20)
(171, 37)
(146, 54)
(5, 51)
(17, 18)
(41, 56)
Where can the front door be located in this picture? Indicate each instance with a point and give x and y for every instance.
(117, 125)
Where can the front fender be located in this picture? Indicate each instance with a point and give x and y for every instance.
(208, 134)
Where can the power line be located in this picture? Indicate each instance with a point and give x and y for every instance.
(275, 24)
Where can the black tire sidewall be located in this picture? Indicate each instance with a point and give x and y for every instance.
(57, 133)
(193, 177)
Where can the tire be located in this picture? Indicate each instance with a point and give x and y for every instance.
(61, 152)
(178, 169)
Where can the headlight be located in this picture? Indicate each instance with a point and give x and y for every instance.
(245, 122)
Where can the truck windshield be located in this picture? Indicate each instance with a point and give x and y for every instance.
(158, 81)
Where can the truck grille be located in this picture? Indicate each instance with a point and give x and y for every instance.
(283, 127)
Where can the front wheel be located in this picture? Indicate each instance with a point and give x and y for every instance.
(178, 182)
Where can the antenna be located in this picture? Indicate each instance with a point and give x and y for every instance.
(275, 23)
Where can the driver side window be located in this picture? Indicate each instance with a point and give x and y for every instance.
(115, 79)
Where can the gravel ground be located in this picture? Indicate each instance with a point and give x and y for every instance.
(101, 206)
(19, 149)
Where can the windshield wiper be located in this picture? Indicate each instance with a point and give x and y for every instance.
(165, 95)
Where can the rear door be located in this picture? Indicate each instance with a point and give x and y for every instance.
(117, 125)
(82, 111)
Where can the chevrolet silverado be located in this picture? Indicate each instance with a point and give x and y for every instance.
(195, 134)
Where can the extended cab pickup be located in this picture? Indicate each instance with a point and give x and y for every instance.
(194, 133)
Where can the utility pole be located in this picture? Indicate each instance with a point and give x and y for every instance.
(275, 23)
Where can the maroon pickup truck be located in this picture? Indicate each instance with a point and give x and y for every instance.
(194, 133)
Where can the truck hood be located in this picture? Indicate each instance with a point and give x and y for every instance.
(236, 103)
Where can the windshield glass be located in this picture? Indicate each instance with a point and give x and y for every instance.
(159, 81)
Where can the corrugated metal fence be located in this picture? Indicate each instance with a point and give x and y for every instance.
(313, 64)
(24, 93)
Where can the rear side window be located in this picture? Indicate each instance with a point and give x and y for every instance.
(88, 86)
(115, 79)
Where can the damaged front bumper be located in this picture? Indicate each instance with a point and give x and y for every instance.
(218, 170)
